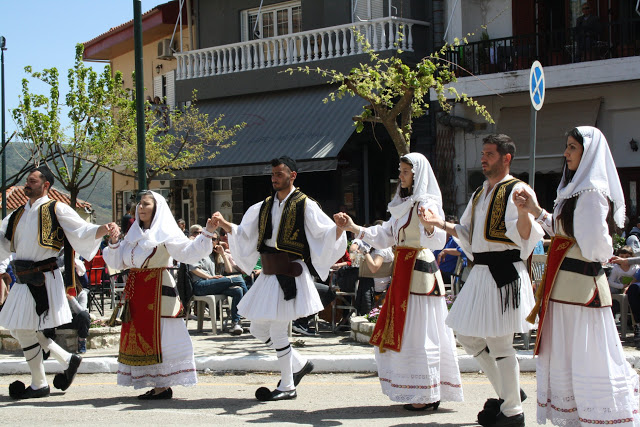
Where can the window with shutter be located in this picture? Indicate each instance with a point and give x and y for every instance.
(276, 20)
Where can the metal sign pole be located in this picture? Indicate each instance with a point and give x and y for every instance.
(536, 93)
(532, 150)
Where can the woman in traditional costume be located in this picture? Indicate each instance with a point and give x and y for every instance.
(583, 377)
(415, 352)
(155, 347)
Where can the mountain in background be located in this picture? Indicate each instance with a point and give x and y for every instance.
(98, 194)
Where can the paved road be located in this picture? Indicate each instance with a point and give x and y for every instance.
(323, 400)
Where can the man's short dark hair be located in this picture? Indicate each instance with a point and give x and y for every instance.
(287, 161)
(129, 206)
(46, 174)
(504, 144)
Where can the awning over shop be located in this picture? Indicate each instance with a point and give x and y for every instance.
(554, 120)
(296, 123)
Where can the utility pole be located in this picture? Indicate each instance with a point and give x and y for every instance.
(140, 111)
(3, 43)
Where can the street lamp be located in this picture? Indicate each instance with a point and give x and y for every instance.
(3, 43)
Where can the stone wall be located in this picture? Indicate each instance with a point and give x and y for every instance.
(68, 339)
(361, 329)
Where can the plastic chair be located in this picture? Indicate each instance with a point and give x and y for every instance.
(117, 282)
(625, 313)
(95, 271)
(216, 304)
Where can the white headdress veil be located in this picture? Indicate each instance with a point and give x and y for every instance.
(425, 187)
(164, 227)
(596, 172)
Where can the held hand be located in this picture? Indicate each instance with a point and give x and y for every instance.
(429, 218)
(526, 203)
(217, 220)
(344, 221)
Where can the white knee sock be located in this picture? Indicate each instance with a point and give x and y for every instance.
(285, 357)
(33, 354)
(488, 365)
(297, 362)
(510, 385)
(62, 356)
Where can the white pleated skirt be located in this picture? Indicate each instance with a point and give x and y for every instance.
(265, 299)
(426, 368)
(583, 377)
(19, 311)
(178, 365)
(479, 312)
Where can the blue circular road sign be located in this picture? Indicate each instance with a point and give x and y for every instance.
(536, 85)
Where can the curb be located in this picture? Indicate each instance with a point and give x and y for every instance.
(323, 364)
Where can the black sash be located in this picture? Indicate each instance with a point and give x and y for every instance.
(504, 273)
(426, 267)
(573, 265)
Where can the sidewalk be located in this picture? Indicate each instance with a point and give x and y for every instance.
(224, 352)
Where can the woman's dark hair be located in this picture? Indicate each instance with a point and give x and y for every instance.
(155, 204)
(406, 192)
(567, 210)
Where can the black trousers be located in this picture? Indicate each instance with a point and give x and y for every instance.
(633, 293)
(326, 296)
(79, 322)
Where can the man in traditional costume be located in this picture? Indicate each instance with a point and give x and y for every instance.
(35, 233)
(497, 296)
(292, 236)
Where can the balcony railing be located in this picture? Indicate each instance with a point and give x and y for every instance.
(616, 40)
(297, 48)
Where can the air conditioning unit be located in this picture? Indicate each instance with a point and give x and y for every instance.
(165, 50)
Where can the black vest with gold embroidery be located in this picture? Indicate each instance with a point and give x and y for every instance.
(50, 233)
(495, 229)
(291, 236)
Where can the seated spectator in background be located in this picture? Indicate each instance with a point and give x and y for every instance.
(448, 257)
(183, 225)
(633, 295)
(194, 231)
(621, 276)
(374, 259)
(327, 295)
(633, 238)
(80, 320)
(208, 279)
(249, 279)
(5, 281)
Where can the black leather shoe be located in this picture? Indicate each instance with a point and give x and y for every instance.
(297, 376)
(150, 395)
(64, 380)
(30, 393)
(494, 404)
(433, 406)
(263, 394)
(503, 421)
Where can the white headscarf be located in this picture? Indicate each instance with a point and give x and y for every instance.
(164, 228)
(425, 187)
(596, 172)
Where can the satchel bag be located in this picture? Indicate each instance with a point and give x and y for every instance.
(385, 270)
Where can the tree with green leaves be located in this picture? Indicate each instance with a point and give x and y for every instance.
(396, 92)
(176, 139)
(94, 105)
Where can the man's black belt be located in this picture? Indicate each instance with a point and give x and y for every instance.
(585, 268)
(500, 265)
(425, 266)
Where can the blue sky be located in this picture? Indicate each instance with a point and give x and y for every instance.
(43, 34)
